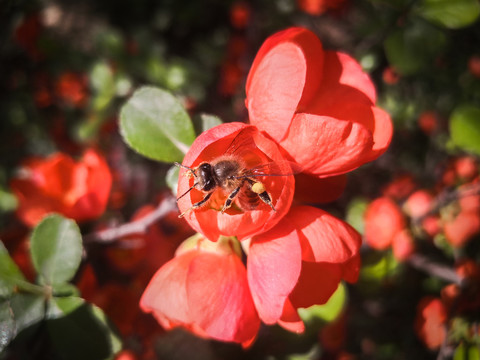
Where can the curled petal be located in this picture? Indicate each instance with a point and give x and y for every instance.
(326, 146)
(324, 237)
(290, 319)
(284, 76)
(273, 268)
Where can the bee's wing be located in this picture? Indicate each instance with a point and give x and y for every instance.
(273, 168)
(242, 142)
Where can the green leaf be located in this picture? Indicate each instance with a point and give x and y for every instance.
(10, 274)
(414, 47)
(79, 330)
(466, 352)
(329, 311)
(155, 124)
(7, 324)
(355, 212)
(465, 128)
(208, 121)
(65, 289)
(28, 310)
(452, 14)
(172, 179)
(56, 246)
(103, 84)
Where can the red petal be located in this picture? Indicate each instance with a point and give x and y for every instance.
(285, 74)
(311, 189)
(219, 298)
(343, 82)
(166, 295)
(290, 319)
(273, 268)
(327, 146)
(318, 281)
(324, 237)
(382, 133)
(351, 269)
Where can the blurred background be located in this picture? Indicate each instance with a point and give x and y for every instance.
(66, 68)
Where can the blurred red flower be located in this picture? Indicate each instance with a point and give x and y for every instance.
(418, 204)
(474, 65)
(428, 122)
(71, 89)
(430, 322)
(78, 190)
(240, 13)
(28, 33)
(400, 187)
(390, 76)
(383, 221)
(318, 105)
(317, 7)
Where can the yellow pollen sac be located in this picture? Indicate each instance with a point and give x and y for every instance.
(258, 188)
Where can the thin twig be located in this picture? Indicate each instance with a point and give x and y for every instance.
(447, 197)
(443, 272)
(134, 227)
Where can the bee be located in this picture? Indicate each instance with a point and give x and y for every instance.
(230, 174)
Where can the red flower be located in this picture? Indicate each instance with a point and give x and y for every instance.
(462, 228)
(418, 204)
(430, 322)
(383, 221)
(317, 7)
(284, 267)
(296, 96)
(474, 65)
(71, 89)
(287, 264)
(318, 105)
(209, 220)
(28, 33)
(240, 14)
(205, 290)
(78, 190)
(400, 187)
(428, 122)
(390, 76)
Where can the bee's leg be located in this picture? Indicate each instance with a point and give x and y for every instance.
(230, 199)
(197, 205)
(258, 188)
(265, 197)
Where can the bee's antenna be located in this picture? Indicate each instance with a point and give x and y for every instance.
(186, 192)
(185, 167)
